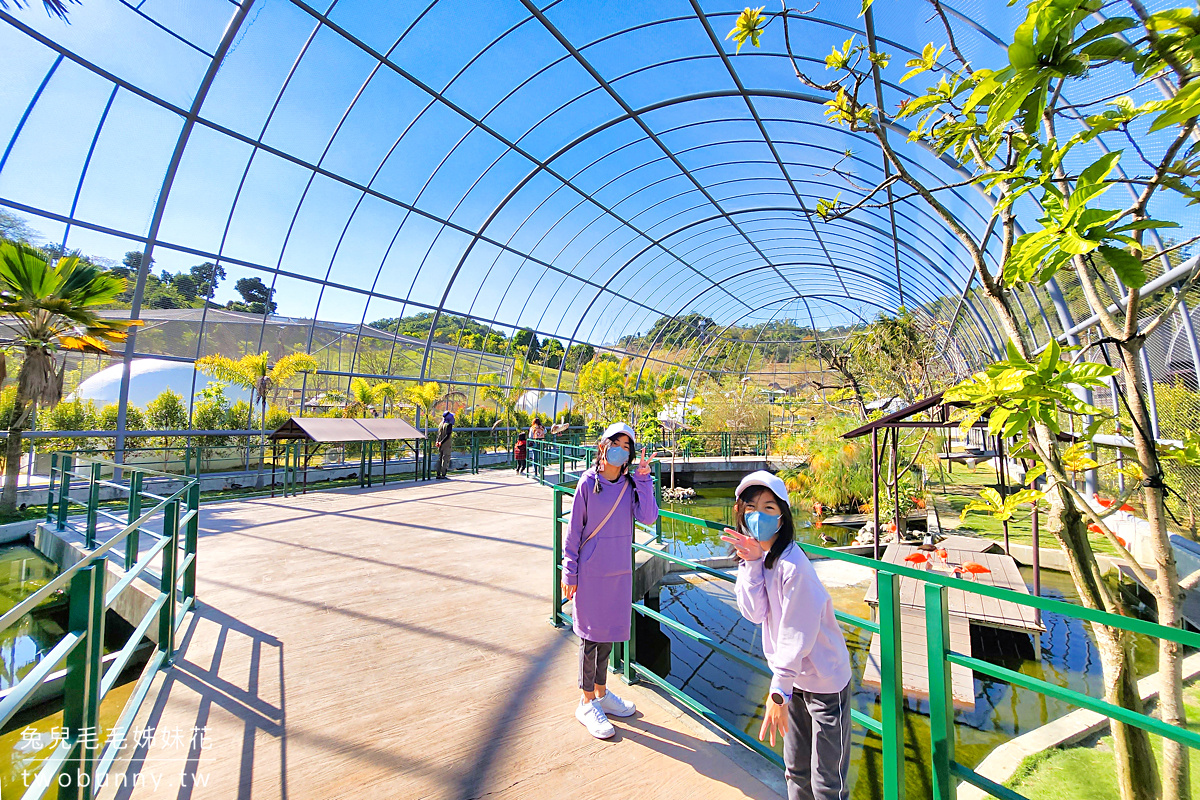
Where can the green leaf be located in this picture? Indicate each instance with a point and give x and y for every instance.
(1128, 267)
(1098, 170)
(749, 25)
(1184, 106)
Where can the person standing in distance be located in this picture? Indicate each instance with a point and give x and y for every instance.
(445, 435)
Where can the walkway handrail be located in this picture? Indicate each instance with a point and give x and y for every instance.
(945, 769)
(87, 680)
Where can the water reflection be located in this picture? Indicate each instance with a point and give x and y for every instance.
(23, 571)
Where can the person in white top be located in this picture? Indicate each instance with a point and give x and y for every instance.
(809, 698)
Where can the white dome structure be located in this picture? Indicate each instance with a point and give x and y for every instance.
(148, 378)
(546, 404)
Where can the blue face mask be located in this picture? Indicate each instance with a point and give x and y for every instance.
(617, 456)
(762, 526)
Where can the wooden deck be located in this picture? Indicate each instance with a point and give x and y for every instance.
(964, 609)
(395, 643)
(976, 608)
(915, 658)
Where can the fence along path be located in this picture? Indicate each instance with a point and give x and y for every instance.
(393, 643)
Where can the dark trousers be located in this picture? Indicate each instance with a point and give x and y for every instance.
(816, 748)
(521, 465)
(593, 664)
(443, 460)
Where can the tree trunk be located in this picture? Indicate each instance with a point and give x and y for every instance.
(1167, 593)
(262, 446)
(1137, 774)
(12, 467)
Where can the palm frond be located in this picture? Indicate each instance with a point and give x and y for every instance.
(55, 8)
(291, 365)
(224, 368)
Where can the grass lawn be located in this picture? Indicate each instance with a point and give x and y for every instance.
(1090, 772)
(963, 486)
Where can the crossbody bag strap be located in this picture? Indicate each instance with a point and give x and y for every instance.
(607, 516)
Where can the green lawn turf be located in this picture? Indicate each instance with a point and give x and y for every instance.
(1088, 772)
(963, 485)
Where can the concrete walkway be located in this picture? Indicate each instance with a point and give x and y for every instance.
(395, 644)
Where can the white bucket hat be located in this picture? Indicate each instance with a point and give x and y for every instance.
(764, 478)
(620, 427)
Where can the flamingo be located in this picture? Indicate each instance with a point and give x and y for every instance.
(942, 554)
(1106, 503)
(917, 558)
(972, 568)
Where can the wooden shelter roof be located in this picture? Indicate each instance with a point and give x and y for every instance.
(327, 429)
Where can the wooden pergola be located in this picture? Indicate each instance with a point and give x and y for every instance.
(939, 413)
(305, 431)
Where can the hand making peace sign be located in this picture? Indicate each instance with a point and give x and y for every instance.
(644, 464)
(747, 547)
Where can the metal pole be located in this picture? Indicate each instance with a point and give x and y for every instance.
(900, 525)
(875, 486)
(891, 691)
(941, 692)
(1003, 475)
(556, 590)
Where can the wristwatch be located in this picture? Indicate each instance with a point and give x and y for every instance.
(778, 698)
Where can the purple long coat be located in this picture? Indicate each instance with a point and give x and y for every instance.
(603, 571)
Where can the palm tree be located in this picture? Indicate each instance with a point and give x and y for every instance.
(386, 393)
(49, 305)
(256, 373)
(425, 396)
(362, 398)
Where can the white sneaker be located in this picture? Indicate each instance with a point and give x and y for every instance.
(592, 717)
(615, 706)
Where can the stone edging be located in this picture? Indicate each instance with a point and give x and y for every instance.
(1004, 760)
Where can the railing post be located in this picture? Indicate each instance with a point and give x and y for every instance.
(191, 540)
(92, 504)
(133, 542)
(556, 591)
(941, 693)
(81, 688)
(892, 693)
(64, 492)
(562, 464)
(50, 488)
(166, 617)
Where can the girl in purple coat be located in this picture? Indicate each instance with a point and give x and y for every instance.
(597, 568)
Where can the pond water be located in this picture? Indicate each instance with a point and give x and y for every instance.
(1068, 657)
(28, 739)
(23, 571)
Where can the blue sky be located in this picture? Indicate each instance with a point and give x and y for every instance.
(623, 219)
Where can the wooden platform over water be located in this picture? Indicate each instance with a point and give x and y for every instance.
(395, 643)
(964, 609)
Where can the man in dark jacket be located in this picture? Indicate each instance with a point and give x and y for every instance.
(445, 434)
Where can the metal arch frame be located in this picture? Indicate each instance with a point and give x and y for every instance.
(282, 155)
(712, 36)
(604, 126)
(372, 294)
(193, 114)
(699, 361)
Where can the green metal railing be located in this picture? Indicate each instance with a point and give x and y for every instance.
(87, 682)
(945, 770)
